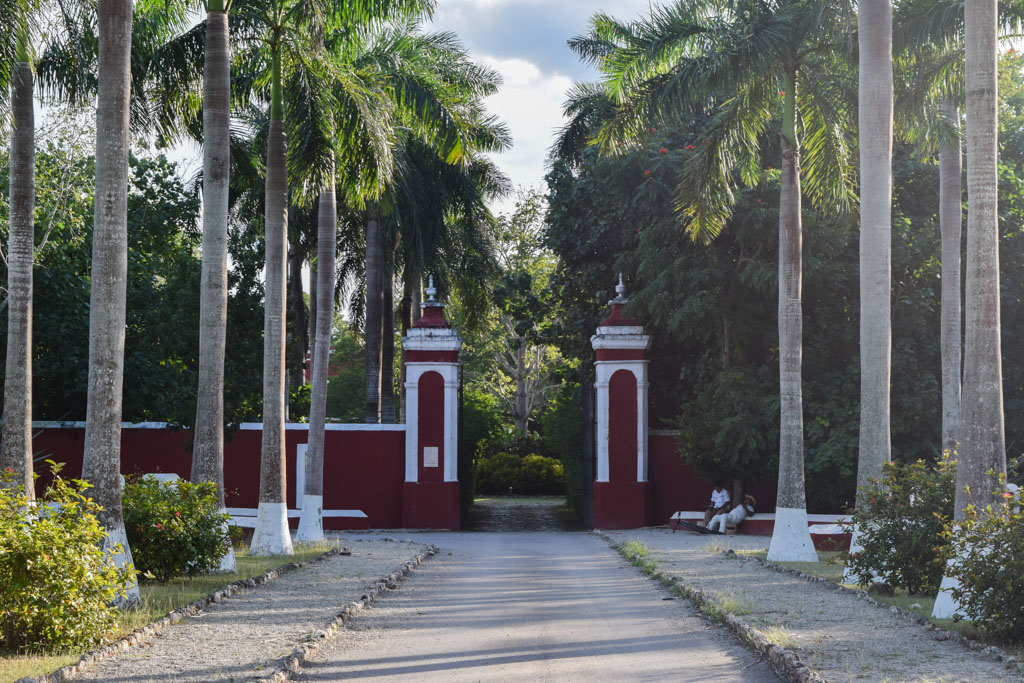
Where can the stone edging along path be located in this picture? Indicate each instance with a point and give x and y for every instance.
(175, 616)
(989, 651)
(786, 661)
(284, 667)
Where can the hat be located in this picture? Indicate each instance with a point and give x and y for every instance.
(753, 501)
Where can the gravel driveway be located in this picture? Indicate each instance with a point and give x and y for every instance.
(236, 639)
(540, 606)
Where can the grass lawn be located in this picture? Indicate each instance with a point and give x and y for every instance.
(157, 601)
(829, 567)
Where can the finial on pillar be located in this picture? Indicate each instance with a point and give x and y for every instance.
(620, 290)
(431, 295)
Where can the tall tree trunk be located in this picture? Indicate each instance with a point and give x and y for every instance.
(16, 444)
(417, 297)
(950, 224)
(208, 445)
(311, 318)
(311, 519)
(271, 536)
(387, 344)
(791, 540)
(875, 136)
(982, 441)
(101, 462)
(297, 375)
(875, 93)
(982, 438)
(521, 414)
(372, 315)
(410, 305)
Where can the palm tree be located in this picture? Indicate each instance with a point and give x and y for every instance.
(16, 445)
(875, 107)
(951, 326)
(102, 458)
(208, 444)
(742, 57)
(311, 521)
(983, 442)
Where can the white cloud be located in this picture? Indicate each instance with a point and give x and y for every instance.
(530, 103)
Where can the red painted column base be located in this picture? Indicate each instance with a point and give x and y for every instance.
(621, 505)
(431, 505)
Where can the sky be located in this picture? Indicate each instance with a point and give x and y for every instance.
(525, 41)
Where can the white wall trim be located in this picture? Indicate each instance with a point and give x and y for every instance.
(246, 426)
(663, 432)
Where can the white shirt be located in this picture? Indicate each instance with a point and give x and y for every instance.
(720, 498)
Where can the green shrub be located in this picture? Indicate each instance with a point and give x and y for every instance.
(57, 586)
(174, 528)
(987, 551)
(530, 475)
(900, 520)
(541, 475)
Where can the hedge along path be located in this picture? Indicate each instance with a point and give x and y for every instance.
(258, 634)
(836, 633)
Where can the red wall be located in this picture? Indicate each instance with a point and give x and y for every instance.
(676, 486)
(363, 470)
(622, 427)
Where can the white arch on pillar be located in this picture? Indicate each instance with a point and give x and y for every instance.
(450, 374)
(603, 370)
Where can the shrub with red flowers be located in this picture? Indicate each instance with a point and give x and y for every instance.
(174, 528)
(901, 520)
(987, 551)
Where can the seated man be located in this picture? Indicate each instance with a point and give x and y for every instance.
(720, 500)
(734, 516)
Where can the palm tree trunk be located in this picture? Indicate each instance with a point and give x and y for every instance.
(101, 462)
(387, 344)
(950, 224)
(875, 138)
(791, 540)
(295, 259)
(271, 536)
(311, 520)
(982, 437)
(16, 443)
(311, 318)
(372, 316)
(982, 441)
(208, 445)
(410, 283)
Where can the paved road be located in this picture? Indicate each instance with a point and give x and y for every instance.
(532, 606)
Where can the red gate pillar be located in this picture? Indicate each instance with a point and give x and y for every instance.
(621, 492)
(430, 494)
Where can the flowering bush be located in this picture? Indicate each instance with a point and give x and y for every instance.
(900, 521)
(174, 528)
(57, 585)
(987, 549)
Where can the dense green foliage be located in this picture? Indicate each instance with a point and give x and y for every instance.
(161, 345)
(988, 563)
(562, 427)
(508, 473)
(174, 528)
(901, 520)
(57, 586)
(712, 310)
